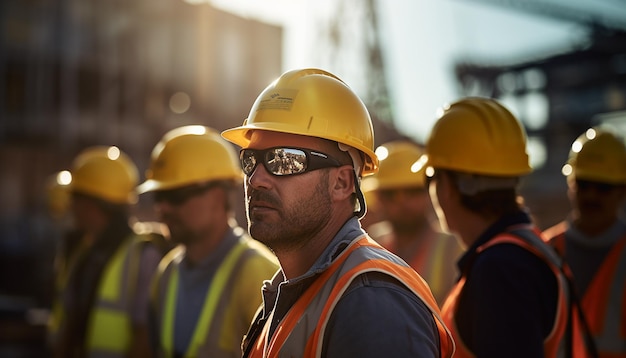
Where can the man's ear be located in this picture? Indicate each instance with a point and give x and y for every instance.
(343, 183)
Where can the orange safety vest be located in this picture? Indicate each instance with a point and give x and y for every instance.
(604, 302)
(529, 240)
(301, 332)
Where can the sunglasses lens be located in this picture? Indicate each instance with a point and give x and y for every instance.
(282, 161)
(180, 196)
(170, 196)
(248, 161)
(285, 161)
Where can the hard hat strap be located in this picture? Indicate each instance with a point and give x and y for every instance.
(357, 163)
(360, 207)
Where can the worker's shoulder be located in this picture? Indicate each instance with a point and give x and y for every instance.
(508, 259)
(379, 292)
(554, 231)
(256, 257)
(152, 235)
(259, 259)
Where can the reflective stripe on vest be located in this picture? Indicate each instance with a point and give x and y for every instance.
(301, 332)
(215, 301)
(529, 240)
(109, 328)
(604, 302)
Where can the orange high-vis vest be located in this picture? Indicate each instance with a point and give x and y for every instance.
(604, 302)
(529, 240)
(301, 332)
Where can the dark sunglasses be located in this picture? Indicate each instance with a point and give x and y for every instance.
(584, 185)
(179, 196)
(281, 161)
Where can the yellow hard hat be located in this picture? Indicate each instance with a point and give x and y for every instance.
(396, 158)
(58, 193)
(597, 155)
(106, 173)
(191, 154)
(478, 136)
(313, 103)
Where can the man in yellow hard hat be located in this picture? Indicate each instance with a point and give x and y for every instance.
(409, 229)
(207, 289)
(593, 239)
(510, 300)
(58, 204)
(107, 270)
(67, 240)
(306, 143)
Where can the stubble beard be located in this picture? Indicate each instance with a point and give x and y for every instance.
(296, 225)
(179, 234)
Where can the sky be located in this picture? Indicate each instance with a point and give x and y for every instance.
(423, 39)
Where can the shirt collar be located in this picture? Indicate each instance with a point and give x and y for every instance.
(348, 232)
(225, 245)
(501, 225)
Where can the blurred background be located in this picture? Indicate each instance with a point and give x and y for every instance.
(76, 73)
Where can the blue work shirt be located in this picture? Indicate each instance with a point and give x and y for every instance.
(509, 302)
(194, 283)
(376, 317)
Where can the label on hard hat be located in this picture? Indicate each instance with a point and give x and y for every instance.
(282, 99)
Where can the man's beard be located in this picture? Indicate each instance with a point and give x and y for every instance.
(297, 224)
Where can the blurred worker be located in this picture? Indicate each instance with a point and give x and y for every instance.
(58, 204)
(413, 234)
(108, 267)
(306, 143)
(511, 299)
(593, 239)
(207, 290)
(66, 239)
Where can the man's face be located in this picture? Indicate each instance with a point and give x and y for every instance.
(406, 207)
(285, 212)
(190, 212)
(596, 204)
(88, 216)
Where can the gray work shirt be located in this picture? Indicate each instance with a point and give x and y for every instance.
(376, 317)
